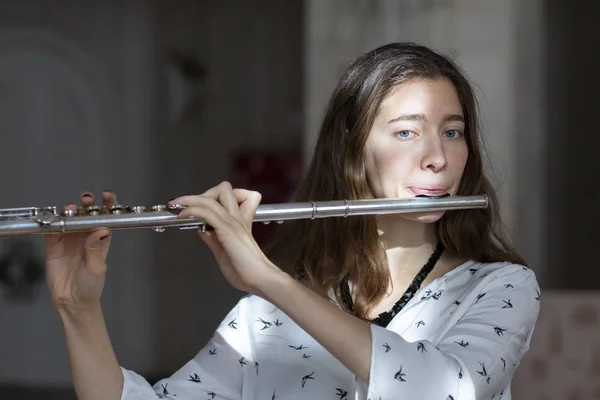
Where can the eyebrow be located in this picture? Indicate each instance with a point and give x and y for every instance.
(421, 117)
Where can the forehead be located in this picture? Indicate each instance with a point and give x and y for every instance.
(422, 96)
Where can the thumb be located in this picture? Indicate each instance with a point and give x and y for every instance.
(98, 242)
(249, 201)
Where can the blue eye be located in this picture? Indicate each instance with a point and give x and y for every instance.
(452, 134)
(404, 134)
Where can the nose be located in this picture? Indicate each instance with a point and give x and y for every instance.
(434, 157)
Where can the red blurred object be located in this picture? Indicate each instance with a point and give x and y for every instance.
(274, 174)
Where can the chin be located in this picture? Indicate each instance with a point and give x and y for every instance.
(425, 217)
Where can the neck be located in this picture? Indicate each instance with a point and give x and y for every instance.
(408, 244)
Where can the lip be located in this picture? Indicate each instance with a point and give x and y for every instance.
(430, 190)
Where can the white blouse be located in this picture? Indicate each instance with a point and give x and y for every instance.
(460, 337)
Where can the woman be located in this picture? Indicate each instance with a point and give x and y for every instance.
(434, 305)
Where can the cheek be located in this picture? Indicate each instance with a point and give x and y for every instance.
(458, 157)
(388, 167)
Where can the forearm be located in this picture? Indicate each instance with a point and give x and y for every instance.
(346, 337)
(94, 367)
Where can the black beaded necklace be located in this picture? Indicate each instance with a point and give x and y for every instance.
(384, 318)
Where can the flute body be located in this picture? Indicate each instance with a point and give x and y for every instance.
(46, 220)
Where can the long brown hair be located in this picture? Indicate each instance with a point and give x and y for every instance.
(325, 251)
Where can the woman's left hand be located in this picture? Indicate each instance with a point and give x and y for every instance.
(230, 213)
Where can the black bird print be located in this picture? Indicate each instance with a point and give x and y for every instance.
(307, 377)
(418, 324)
(537, 297)
(301, 347)
(242, 361)
(437, 295)
(212, 352)
(305, 356)
(462, 343)
(399, 376)
(273, 398)
(341, 392)
(277, 323)
(266, 324)
(232, 324)
(479, 297)
(483, 371)
(421, 347)
(499, 331)
(509, 286)
(195, 378)
(387, 347)
(256, 366)
(450, 397)
(456, 302)
(427, 295)
(460, 374)
(503, 364)
(472, 271)
(212, 395)
(507, 304)
(165, 391)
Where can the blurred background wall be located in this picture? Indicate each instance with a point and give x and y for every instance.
(153, 99)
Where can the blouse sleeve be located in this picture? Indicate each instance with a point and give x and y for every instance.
(214, 373)
(475, 359)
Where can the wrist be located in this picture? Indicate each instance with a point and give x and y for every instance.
(273, 284)
(80, 315)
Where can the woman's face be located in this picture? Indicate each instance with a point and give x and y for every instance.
(416, 144)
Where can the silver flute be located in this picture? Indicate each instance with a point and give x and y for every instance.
(46, 220)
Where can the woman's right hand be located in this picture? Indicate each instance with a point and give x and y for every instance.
(76, 262)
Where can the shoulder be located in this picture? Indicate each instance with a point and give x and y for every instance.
(495, 273)
(505, 274)
(486, 281)
(499, 287)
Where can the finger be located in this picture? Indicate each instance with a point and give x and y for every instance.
(86, 199)
(222, 193)
(98, 241)
(214, 191)
(193, 204)
(96, 237)
(109, 199)
(189, 200)
(249, 201)
(70, 207)
(228, 200)
(212, 214)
